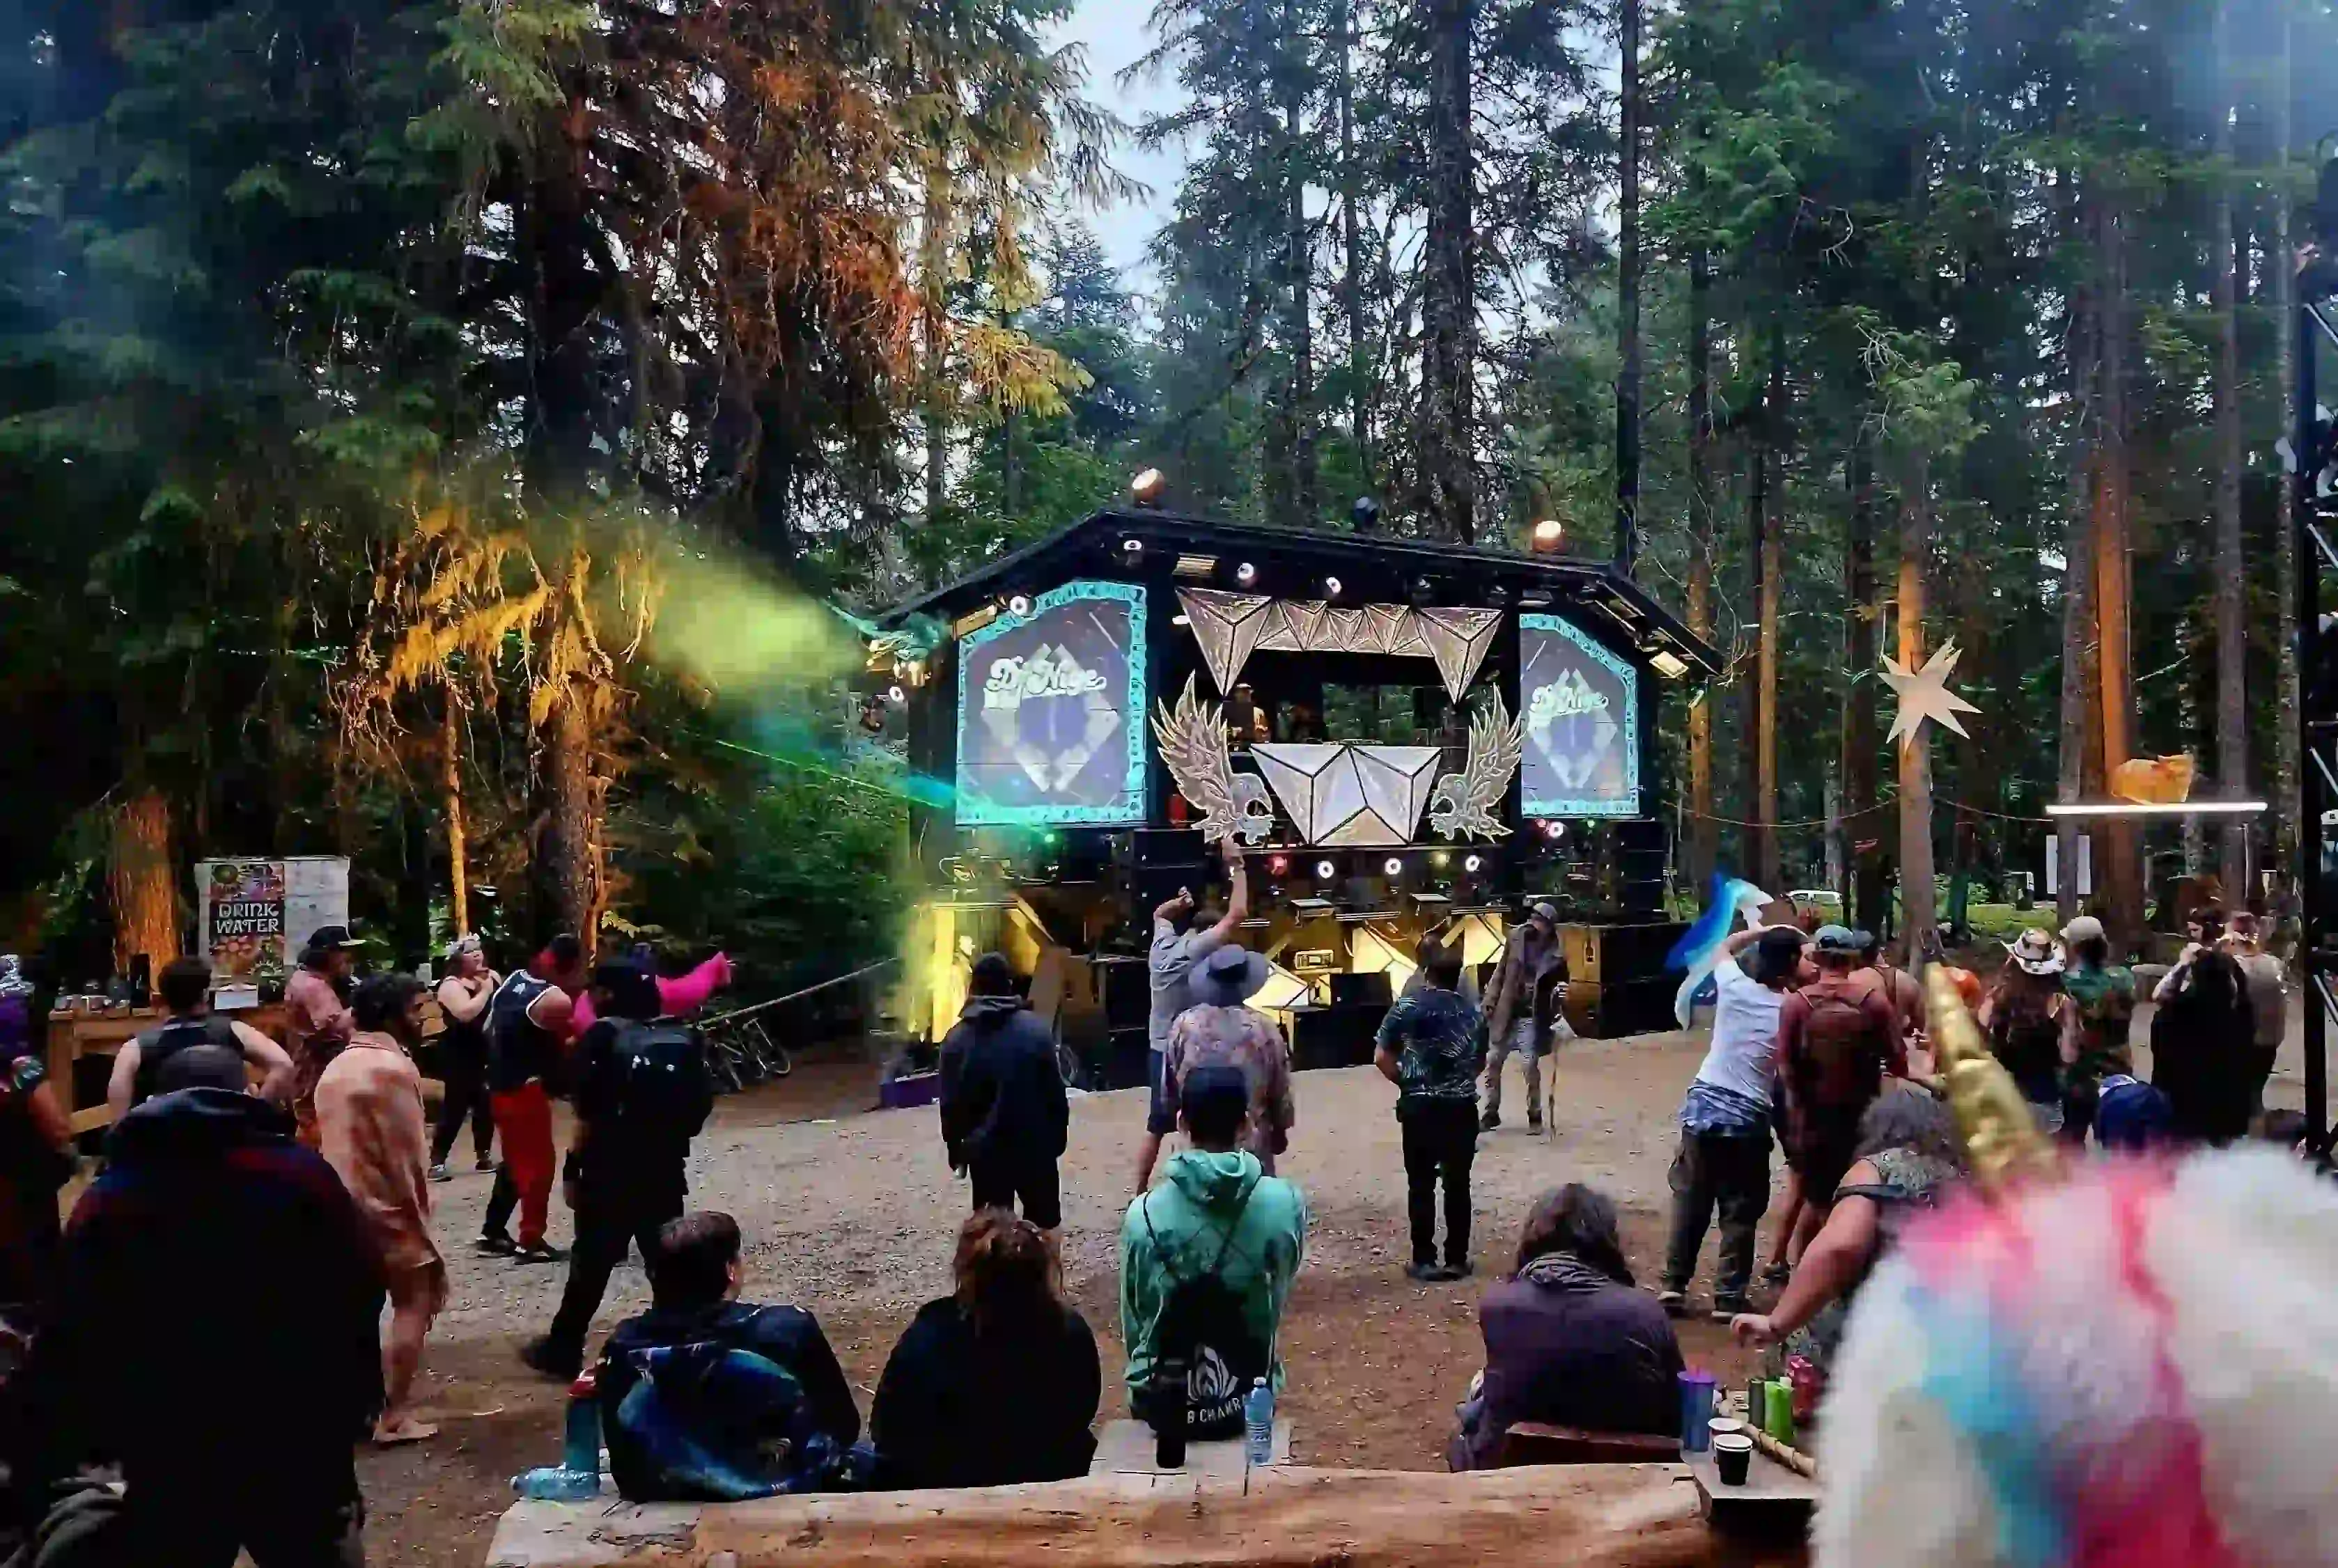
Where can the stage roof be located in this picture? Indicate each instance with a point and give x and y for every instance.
(1372, 568)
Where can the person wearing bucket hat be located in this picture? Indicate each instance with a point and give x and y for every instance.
(1533, 961)
(2029, 1023)
(2103, 993)
(1219, 1028)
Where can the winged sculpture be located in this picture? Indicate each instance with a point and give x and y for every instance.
(1464, 803)
(1193, 737)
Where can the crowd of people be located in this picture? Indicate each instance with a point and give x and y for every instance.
(261, 1208)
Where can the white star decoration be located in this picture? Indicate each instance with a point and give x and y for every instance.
(1924, 694)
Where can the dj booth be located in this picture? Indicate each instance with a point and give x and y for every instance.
(1408, 740)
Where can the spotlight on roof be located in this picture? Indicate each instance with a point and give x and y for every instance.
(1246, 573)
(1019, 605)
(1424, 593)
(1146, 487)
(1365, 514)
(1548, 536)
(1331, 587)
(1668, 664)
(1132, 551)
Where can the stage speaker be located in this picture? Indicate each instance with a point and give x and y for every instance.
(1362, 991)
(1606, 953)
(1640, 867)
(1151, 847)
(1622, 1007)
(1335, 1036)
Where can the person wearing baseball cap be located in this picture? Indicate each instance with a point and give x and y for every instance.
(316, 1021)
(1838, 1037)
(2103, 993)
(1531, 961)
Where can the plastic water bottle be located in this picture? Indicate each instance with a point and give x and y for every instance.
(578, 1474)
(1258, 1423)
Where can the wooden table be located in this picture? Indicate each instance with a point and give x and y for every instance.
(1583, 1515)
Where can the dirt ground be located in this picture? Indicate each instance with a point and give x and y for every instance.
(851, 1214)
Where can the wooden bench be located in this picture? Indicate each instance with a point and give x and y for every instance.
(1533, 1443)
(1615, 1515)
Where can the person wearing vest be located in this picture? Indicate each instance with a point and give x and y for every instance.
(463, 998)
(2030, 1025)
(156, 1061)
(643, 1092)
(1837, 1039)
(527, 1026)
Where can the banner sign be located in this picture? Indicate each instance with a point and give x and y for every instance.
(1581, 707)
(257, 914)
(1051, 711)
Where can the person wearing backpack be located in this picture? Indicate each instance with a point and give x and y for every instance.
(1837, 1039)
(1206, 1261)
(643, 1092)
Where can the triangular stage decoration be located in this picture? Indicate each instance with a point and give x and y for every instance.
(1228, 626)
(1459, 640)
(1231, 627)
(1349, 796)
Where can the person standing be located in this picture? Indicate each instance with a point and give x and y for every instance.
(1838, 1038)
(317, 1017)
(528, 1020)
(217, 1337)
(1724, 1162)
(643, 1092)
(2030, 1025)
(2268, 984)
(2204, 1050)
(35, 1156)
(463, 1056)
(1182, 938)
(1221, 1028)
(2104, 994)
(375, 1135)
(1004, 1111)
(1429, 1047)
(154, 1063)
(1531, 959)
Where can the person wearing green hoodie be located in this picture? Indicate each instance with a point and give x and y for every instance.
(1214, 1213)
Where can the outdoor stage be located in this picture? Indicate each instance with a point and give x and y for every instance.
(1408, 740)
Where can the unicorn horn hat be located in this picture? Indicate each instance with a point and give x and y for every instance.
(2001, 1139)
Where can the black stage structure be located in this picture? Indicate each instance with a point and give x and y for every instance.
(1410, 738)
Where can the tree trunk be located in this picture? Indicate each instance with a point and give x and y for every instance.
(565, 292)
(2114, 584)
(1297, 265)
(1627, 380)
(1863, 899)
(933, 266)
(2231, 555)
(458, 871)
(1774, 571)
(568, 871)
(1351, 231)
(141, 880)
(1703, 847)
(1449, 289)
(2284, 265)
(1919, 916)
(2078, 646)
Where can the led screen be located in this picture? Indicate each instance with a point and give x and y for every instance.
(1582, 707)
(1051, 711)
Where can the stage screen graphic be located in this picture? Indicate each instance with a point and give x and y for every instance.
(1582, 706)
(1051, 712)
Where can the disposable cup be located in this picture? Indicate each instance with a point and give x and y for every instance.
(1733, 1452)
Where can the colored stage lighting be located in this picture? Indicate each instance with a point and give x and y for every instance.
(1473, 863)
(1278, 865)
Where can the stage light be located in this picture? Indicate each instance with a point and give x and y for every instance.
(1424, 593)
(1278, 865)
(1181, 620)
(1365, 514)
(1145, 488)
(1331, 587)
(1439, 858)
(1393, 866)
(1668, 664)
(1246, 573)
(1019, 605)
(1132, 553)
(1554, 828)
(1548, 536)
(2155, 808)
(1473, 863)
(1325, 871)
(896, 696)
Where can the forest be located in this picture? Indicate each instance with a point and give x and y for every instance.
(459, 434)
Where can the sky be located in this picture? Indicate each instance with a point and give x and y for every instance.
(1114, 34)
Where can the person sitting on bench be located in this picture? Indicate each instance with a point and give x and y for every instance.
(704, 1399)
(1206, 1261)
(1570, 1341)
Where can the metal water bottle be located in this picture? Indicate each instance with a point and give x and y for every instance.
(1169, 1414)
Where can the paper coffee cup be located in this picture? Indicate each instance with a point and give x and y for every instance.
(1732, 1453)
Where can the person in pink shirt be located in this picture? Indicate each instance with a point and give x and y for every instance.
(316, 1019)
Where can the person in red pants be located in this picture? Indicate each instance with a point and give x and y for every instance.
(528, 1022)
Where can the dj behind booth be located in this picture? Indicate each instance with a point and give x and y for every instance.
(1407, 740)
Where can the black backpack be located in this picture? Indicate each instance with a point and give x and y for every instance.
(659, 1091)
(1203, 1326)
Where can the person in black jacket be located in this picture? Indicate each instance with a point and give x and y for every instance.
(795, 1437)
(217, 1336)
(996, 1384)
(1003, 1111)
